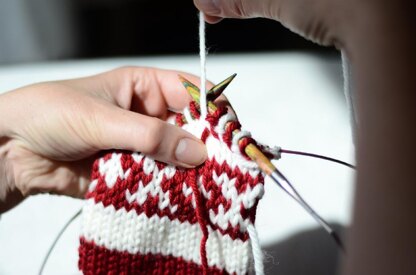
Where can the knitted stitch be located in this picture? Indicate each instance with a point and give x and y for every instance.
(145, 217)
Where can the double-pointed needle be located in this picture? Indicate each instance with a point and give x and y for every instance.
(257, 155)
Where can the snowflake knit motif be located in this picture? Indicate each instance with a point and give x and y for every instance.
(142, 216)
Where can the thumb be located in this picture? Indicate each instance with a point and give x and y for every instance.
(122, 129)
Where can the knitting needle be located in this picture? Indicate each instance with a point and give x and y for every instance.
(212, 94)
(251, 150)
(262, 161)
(217, 90)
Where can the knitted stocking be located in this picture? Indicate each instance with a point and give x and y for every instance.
(146, 217)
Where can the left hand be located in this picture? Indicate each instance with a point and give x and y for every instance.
(50, 132)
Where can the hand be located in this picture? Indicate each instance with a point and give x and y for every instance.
(327, 22)
(50, 132)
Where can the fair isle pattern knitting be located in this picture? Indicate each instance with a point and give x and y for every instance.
(145, 217)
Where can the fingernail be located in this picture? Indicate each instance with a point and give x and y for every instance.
(190, 151)
(209, 6)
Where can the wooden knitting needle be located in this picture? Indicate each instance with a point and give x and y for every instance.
(251, 150)
(257, 155)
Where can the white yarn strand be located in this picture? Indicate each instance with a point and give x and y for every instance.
(256, 248)
(202, 56)
(255, 244)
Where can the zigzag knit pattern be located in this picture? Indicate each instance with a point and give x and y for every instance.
(145, 217)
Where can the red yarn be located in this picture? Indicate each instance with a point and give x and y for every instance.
(243, 144)
(179, 120)
(205, 135)
(214, 117)
(200, 214)
(194, 109)
(227, 137)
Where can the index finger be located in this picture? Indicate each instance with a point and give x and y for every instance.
(149, 91)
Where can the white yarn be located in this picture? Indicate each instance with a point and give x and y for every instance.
(236, 138)
(222, 123)
(256, 249)
(187, 115)
(202, 56)
(240, 135)
(255, 244)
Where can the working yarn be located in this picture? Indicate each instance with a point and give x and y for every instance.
(146, 217)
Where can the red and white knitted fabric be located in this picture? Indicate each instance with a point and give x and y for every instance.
(146, 217)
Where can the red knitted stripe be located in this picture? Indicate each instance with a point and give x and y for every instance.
(185, 211)
(98, 260)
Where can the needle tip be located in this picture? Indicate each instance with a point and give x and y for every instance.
(218, 89)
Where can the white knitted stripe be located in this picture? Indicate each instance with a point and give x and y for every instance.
(128, 232)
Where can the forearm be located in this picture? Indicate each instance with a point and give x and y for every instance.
(382, 53)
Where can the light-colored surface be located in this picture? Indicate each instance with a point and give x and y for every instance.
(301, 106)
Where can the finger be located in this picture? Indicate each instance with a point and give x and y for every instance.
(147, 90)
(217, 9)
(166, 83)
(116, 128)
(212, 19)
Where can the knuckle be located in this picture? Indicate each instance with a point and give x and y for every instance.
(126, 69)
(238, 7)
(319, 31)
(126, 73)
(235, 8)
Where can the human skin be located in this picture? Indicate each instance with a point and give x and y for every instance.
(51, 132)
(378, 37)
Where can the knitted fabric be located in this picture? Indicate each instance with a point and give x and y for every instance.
(145, 217)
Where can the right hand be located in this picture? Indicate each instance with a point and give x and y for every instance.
(326, 22)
